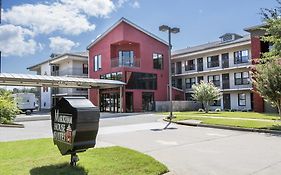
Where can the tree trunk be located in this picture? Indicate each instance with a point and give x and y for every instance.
(279, 109)
(207, 107)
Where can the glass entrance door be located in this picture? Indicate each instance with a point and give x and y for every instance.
(110, 102)
(148, 101)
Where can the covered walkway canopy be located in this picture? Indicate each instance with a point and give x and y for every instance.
(11, 79)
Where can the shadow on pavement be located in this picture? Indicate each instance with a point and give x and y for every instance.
(58, 169)
(162, 129)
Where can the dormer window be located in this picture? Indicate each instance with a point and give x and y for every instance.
(230, 37)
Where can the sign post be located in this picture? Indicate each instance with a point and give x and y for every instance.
(75, 122)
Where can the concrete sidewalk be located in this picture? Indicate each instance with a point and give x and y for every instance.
(47, 116)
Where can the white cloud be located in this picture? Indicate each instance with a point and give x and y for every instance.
(61, 45)
(43, 18)
(96, 8)
(17, 41)
(135, 4)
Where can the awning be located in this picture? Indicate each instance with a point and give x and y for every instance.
(11, 79)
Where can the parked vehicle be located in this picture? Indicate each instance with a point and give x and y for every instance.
(26, 102)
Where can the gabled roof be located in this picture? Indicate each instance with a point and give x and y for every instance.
(131, 24)
(57, 56)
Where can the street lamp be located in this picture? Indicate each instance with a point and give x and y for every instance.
(165, 28)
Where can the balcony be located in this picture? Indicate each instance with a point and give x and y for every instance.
(72, 72)
(125, 62)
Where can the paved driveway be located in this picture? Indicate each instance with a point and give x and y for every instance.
(185, 150)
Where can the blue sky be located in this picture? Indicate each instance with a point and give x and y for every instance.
(32, 29)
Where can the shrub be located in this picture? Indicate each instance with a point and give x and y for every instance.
(206, 93)
(201, 110)
(218, 110)
(233, 110)
(8, 107)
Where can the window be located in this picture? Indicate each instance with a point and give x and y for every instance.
(188, 97)
(137, 80)
(215, 79)
(189, 82)
(97, 62)
(179, 83)
(157, 61)
(112, 76)
(199, 79)
(173, 68)
(189, 65)
(241, 78)
(126, 58)
(85, 68)
(216, 103)
(241, 57)
(213, 61)
(241, 99)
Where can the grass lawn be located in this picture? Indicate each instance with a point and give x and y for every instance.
(41, 157)
(271, 120)
(251, 115)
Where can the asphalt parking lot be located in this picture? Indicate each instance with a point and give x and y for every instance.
(185, 150)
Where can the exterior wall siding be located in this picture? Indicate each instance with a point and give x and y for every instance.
(143, 46)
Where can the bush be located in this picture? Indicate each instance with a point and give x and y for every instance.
(201, 110)
(233, 110)
(8, 107)
(218, 110)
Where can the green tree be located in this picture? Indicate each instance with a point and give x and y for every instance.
(8, 107)
(272, 28)
(267, 74)
(267, 80)
(206, 93)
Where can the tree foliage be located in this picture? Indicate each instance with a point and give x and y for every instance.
(267, 80)
(272, 28)
(206, 93)
(8, 107)
(267, 75)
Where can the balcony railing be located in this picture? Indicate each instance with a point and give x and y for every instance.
(125, 62)
(70, 72)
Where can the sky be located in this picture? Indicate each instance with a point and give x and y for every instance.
(31, 30)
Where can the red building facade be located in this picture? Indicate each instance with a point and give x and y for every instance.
(128, 53)
(257, 48)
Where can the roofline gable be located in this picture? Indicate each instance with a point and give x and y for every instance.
(129, 23)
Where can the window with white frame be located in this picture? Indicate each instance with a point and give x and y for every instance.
(97, 62)
(215, 79)
(189, 82)
(242, 99)
(241, 56)
(241, 78)
(213, 61)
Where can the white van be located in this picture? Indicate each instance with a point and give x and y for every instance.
(26, 102)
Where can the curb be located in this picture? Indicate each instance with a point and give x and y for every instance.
(228, 127)
(32, 118)
(12, 125)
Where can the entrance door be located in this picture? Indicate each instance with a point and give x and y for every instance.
(225, 81)
(226, 101)
(225, 60)
(200, 64)
(148, 101)
(129, 102)
(178, 68)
